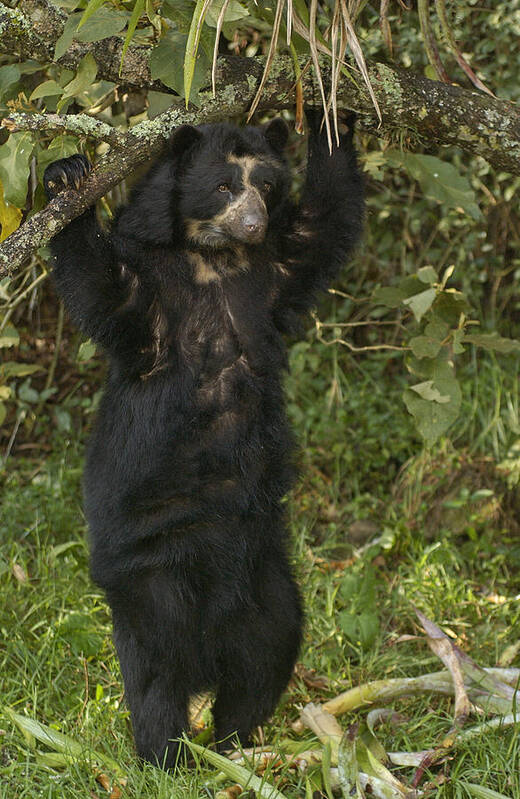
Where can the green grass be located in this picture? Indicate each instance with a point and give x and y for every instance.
(440, 545)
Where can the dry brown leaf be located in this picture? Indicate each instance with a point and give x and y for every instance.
(229, 793)
(310, 678)
(19, 574)
(114, 789)
(509, 654)
(441, 645)
(323, 725)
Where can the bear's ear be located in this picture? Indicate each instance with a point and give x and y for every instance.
(182, 139)
(276, 133)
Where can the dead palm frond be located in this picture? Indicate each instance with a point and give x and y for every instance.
(304, 19)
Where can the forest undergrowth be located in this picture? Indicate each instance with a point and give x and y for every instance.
(380, 527)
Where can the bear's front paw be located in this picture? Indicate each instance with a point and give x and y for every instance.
(66, 173)
(346, 124)
(318, 131)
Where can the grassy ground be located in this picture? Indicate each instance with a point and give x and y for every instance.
(444, 538)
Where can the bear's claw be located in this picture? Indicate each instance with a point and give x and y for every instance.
(65, 173)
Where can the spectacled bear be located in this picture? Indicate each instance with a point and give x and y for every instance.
(190, 294)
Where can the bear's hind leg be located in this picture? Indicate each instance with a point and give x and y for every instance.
(257, 657)
(157, 698)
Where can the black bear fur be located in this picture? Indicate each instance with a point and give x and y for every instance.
(191, 454)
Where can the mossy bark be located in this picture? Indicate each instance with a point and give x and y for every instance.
(414, 111)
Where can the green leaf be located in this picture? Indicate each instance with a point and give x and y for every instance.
(60, 147)
(492, 341)
(48, 88)
(67, 36)
(433, 417)
(86, 351)
(439, 180)
(450, 305)
(59, 742)
(180, 12)
(458, 337)
(79, 631)
(428, 392)
(13, 369)
(63, 420)
(103, 23)
(239, 774)
(390, 296)
(368, 625)
(59, 549)
(9, 76)
(234, 11)
(10, 218)
(325, 770)
(27, 393)
(166, 64)
(54, 760)
(165, 59)
(480, 792)
(84, 78)
(348, 771)
(425, 346)
(192, 46)
(15, 156)
(436, 329)
(92, 7)
(421, 303)
(3, 412)
(9, 337)
(134, 19)
(427, 274)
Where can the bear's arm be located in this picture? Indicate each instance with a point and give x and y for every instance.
(326, 226)
(100, 293)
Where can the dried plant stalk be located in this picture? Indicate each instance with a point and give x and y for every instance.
(440, 5)
(270, 56)
(220, 22)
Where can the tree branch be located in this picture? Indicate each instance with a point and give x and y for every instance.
(17, 36)
(80, 124)
(46, 26)
(425, 110)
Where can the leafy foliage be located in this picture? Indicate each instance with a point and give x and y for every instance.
(378, 523)
(426, 209)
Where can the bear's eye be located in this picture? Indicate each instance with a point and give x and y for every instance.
(267, 186)
(223, 187)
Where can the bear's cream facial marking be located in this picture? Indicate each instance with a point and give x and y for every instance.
(244, 218)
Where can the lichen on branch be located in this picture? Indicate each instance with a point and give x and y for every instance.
(411, 106)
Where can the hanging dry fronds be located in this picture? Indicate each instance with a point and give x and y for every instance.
(270, 55)
(289, 21)
(440, 5)
(357, 52)
(336, 27)
(220, 22)
(316, 64)
(430, 44)
(385, 26)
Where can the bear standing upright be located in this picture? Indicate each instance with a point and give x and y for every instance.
(189, 295)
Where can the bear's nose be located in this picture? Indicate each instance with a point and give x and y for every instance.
(253, 223)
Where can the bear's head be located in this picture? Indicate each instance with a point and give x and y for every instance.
(231, 182)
